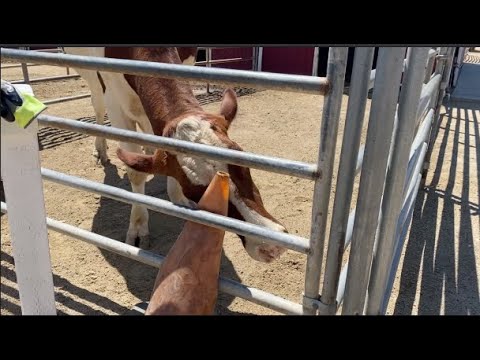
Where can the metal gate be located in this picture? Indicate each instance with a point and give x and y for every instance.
(401, 130)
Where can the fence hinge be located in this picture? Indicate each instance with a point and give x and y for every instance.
(320, 307)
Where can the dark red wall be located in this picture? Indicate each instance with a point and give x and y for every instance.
(288, 60)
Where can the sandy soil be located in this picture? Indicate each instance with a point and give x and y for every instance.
(89, 280)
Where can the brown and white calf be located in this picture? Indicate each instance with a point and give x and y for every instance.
(168, 107)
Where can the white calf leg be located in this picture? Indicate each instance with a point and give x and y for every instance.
(100, 150)
(176, 196)
(138, 227)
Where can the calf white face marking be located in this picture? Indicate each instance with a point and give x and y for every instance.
(256, 248)
(189, 61)
(200, 171)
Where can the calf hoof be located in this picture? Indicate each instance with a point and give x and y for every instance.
(144, 242)
(138, 238)
(100, 151)
(100, 158)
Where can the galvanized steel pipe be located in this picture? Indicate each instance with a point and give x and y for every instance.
(149, 258)
(396, 176)
(241, 158)
(350, 160)
(166, 207)
(337, 61)
(382, 116)
(275, 81)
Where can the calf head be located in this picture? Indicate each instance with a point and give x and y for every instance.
(193, 174)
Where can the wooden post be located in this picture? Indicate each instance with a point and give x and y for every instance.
(20, 166)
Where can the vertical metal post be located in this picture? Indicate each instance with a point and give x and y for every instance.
(61, 50)
(429, 68)
(458, 65)
(208, 58)
(392, 198)
(26, 217)
(379, 136)
(254, 58)
(447, 72)
(260, 58)
(26, 77)
(316, 52)
(337, 61)
(68, 69)
(362, 66)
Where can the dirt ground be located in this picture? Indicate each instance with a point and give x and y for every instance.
(92, 281)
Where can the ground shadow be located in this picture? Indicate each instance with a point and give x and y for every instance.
(66, 294)
(112, 219)
(431, 246)
(2, 195)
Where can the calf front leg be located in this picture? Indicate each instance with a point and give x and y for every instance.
(100, 150)
(138, 227)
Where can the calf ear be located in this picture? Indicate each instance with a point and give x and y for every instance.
(150, 164)
(228, 108)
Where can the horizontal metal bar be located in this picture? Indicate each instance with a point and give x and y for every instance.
(50, 78)
(228, 286)
(402, 218)
(17, 66)
(428, 90)
(278, 165)
(289, 241)
(66, 98)
(417, 168)
(48, 50)
(214, 62)
(407, 206)
(300, 83)
(219, 61)
(218, 47)
(423, 131)
(260, 297)
(222, 47)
